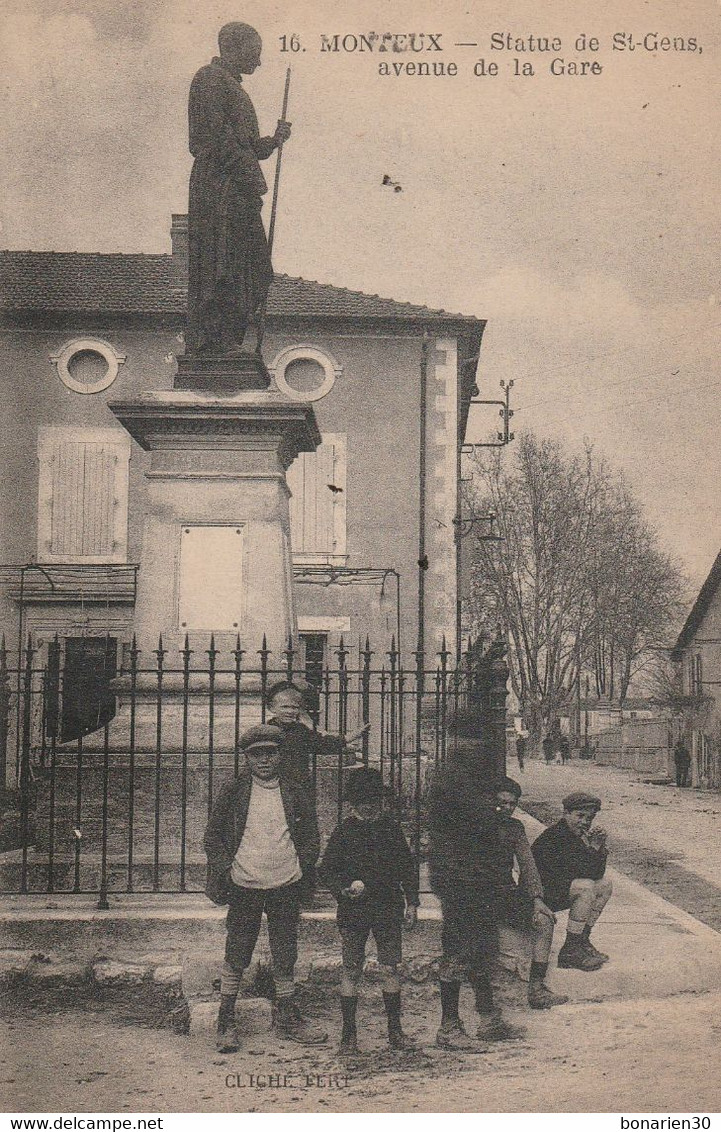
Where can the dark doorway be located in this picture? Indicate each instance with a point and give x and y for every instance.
(87, 701)
(314, 662)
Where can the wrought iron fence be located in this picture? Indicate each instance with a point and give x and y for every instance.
(116, 766)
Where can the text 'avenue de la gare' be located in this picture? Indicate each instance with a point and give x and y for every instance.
(425, 54)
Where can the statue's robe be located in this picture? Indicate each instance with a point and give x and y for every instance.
(229, 261)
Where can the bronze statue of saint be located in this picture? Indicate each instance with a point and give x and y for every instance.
(229, 261)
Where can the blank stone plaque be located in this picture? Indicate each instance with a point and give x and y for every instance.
(210, 584)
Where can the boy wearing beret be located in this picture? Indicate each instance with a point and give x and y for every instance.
(369, 869)
(571, 860)
(261, 837)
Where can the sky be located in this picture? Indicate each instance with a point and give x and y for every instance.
(578, 214)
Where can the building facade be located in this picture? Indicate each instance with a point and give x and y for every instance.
(80, 331)
(698, 653)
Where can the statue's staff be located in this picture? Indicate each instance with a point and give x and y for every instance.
(274, 206)
(276, 182)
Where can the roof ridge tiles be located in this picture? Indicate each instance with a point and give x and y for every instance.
(369, 295)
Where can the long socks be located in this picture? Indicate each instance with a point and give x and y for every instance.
(392, 1003)
(484, 995)
(450, 994)
(348, 1006)
(226, 1015)
(230, 979)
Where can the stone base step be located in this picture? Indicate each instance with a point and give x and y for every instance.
(187, 924)
(253, 1016)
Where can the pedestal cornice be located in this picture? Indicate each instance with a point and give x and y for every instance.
(188, 418)
(212, 372)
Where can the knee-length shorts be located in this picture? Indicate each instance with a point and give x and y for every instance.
(282, 908)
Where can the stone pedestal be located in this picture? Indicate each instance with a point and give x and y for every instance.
(215, 564)
(216, 555)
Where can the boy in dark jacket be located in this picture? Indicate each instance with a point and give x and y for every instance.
(472, 847)
(369, 869)
(261, 838)
(571, 860)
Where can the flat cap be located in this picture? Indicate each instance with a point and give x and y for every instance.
(264, 735)
(579, 800)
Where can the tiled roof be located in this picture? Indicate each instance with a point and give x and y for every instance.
(150, 284)
(74, 281)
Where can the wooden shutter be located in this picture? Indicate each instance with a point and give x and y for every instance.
(317, 512)
(83, 495)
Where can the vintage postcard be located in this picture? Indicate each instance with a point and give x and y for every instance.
(359, 589)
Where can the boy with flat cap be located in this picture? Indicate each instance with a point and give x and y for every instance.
(369, 869)
(571, 861)
(261, 838)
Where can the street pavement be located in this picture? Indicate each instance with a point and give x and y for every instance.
(662, 836)
(656, 948)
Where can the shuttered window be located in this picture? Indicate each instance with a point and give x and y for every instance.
(83, 495)
(317, 481)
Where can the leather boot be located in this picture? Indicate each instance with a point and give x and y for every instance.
(288, 1022)
(574, 954)
(227, 1035)
(453, 1036)
(541, 998)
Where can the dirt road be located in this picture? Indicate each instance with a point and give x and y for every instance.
(624, 1054)
(640, 1056)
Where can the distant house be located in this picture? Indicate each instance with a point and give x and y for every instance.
(602, 714)
(596, 715)
(698, 652)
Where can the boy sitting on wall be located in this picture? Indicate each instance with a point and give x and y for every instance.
(571, 860)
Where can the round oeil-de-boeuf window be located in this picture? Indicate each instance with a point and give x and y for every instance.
(88, 365)
(305, 373)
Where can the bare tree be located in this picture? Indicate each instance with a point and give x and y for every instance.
(577, 580)
(636, 592)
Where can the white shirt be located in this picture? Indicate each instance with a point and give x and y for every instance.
(266, 856)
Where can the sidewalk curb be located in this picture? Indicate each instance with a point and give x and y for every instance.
(656, 949)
